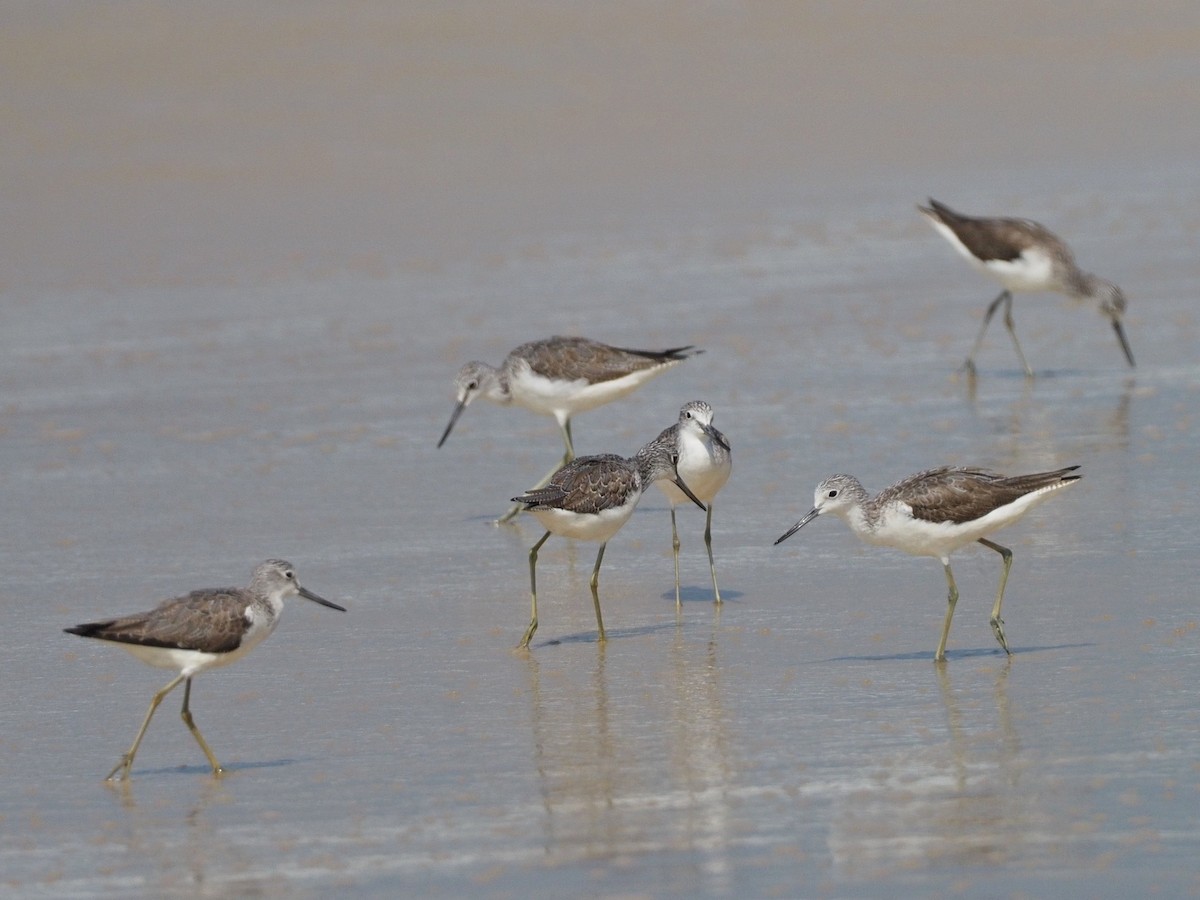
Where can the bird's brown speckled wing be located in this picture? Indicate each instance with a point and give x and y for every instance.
(549, 497)
(998, 238)
(211, 621)
(956, 495)
(587, 484)
(577, 357)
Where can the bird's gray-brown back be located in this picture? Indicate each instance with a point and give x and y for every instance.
(211, 620)
(569, 358)
(958, 494)
(999, 238)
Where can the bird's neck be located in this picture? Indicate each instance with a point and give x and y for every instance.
(262, 616)
(645, 474)
(860, 519)
(1083, 284)
(272, 604)
(498, 389)
(650, 470)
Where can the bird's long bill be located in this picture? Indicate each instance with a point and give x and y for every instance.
(715, 435)
(309, 595)
(787, 534)
(453, 418)
(678, 481)
(1120, 330)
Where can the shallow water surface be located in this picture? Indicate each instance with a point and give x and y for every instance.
(173, 418)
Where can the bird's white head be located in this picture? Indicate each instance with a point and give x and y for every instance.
(697, 411)
(473, 379)
(697, 416)
(838, 494)
(276, 580)
(1112, 304)
(1108, 295)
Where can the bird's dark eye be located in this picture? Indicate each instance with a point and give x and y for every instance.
(289, 575)
(472, 385)
(688, 414)
(832, 494)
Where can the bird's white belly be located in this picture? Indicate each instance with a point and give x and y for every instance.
(703, 467)
(191, 662)
(939, 539)
(188, 662)
(701, 475)
(554, 397)
(1033, 270)
(586, 526)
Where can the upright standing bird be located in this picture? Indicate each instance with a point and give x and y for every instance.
(198, 631)
(560, 376)
(704, 465)
(1023, 256)
(589, 499)
(936, 512)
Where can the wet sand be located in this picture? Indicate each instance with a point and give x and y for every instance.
(244, 256)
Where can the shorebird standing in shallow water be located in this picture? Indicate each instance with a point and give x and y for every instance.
(560, 376)
(704, 465)
(589, 499)
(936, 512)
(1023, 256)
(198, 631)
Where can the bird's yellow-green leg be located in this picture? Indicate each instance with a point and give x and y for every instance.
(996, 622)
(186, 713)
(126, 762)
(515, 508)
(1008, 323)
(969, 363)
(1006, 300)
(675, 548)
(951, 600)
(533, 623)
(712, 566)
(595, 583)
(569, 441)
